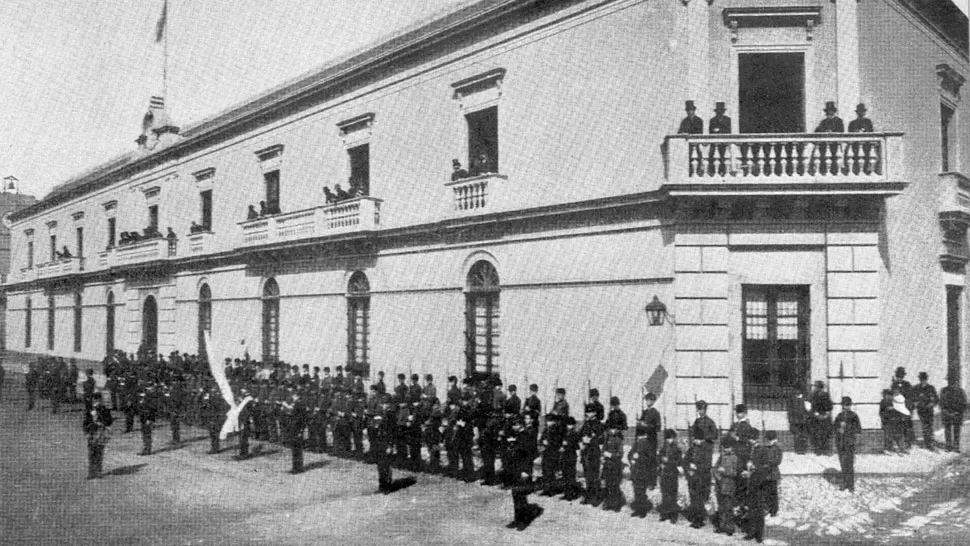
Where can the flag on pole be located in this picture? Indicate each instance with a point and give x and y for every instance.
(160, 25)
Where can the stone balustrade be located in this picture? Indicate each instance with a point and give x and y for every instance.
(479, 194)
(352, 215)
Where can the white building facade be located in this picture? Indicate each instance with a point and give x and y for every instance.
(782, 256)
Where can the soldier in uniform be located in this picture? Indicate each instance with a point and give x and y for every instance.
(129, 385)
(649, 425)
(432, 431)
(691, 125)
(454, 393)
(174, 404)
(88, 387)
(592, 435)
(488, 445)
(594, 400)
(799, 414)
(670, 462)
(772, 460)
(698, 464)
(613, 464)
(96, 425)
(464, 439)
(550, 441)
(642, 457)
(213, 415)
(533, 405)
(295, 417)
(560, 407)
(847, 429)
(725, 475)
(382, 446)
(513, 404)
(953, 404)
(924, 398)
(31, 382)
(357, 423)
(246, 426)
(147, 414)
(744, 433)
(524, 452)
(381, 387)
(568, 459)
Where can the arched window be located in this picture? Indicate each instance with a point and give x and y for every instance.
(271, 321)
(77, 322)
(481, 318)
(358, 315)
(109, 334)
(50, 323)
(28, 319)
(205, 315)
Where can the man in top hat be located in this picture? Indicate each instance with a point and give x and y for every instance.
(717, 155)
(719, 124)
(861, 124)
(924, 398)
(457, 173)
(953, 404)
(821, 422)
(691, 125)
(847, 429)
(744, 433)
(831, 123)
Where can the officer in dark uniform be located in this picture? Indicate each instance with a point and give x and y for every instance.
(821, 422)
(524, 453)
(642, 457)
(295, 418)
(246, 426)
(670, 462)
(568, 459)
(513, 404)
(550, 442)
(464, 439)
(488, 446)
(924, 398)
(382, 444)
(87, 388)
(698, 464)
(691, 125)
(31, 382)
(613, 462)
(798, 420)
(594, 400)
(533, 405)
(96, 425)
(592, 436)
(147, 414)
(847, 429)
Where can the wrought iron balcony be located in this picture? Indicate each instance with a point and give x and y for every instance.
(479, 194)
(784, 163)
(353, 215)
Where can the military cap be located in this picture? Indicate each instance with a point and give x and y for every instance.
(380, 373)
(455, 163)
(89, 371)
(861, 108)
(593, 393)
(560, 390)
(727, 441)
(900, 371)
(570, 421)
(740, 408)
(846, 401)
(428, 377)
(306, 366)
(771, 435)
(650, 396)
(452, 379)
(923, 375)
(670, 433)
(820, 384)
(689, 105)
(700, 404)
(614, 400)
(326, 369)
(316, 368)
(534, 388)
(340, 368)
(399, 376)
(513, 388)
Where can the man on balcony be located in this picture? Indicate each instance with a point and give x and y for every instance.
(719, 125)
(691, 125)
(831, 123)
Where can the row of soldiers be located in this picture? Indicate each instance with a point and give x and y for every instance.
(332, 413)
(52, 378)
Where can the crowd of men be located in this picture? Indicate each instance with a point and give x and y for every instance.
(408, 425)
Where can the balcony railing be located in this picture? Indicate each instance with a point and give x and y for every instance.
(142, 251)
(352, 215)
(199, 242)
(62, 266)
(799, 158)
(479, 194)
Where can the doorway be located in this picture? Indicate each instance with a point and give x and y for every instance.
(771, 92)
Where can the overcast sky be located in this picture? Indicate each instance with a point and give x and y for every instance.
(76, 75)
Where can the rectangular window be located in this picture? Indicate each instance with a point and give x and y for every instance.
(271, 330)
(358, 310)
(946, 135)
(153, 219)
(28, 323)
(80, 243)
(30, 254)
(483, 141)
(206, 200)
(50, 324)
(272, 179)
(775, 348)
(954, 332)
(53, 247)
(112, 232)
(77, 325)
(482, 332)
(359, 170)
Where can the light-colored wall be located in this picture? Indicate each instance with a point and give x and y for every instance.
(898, 59)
